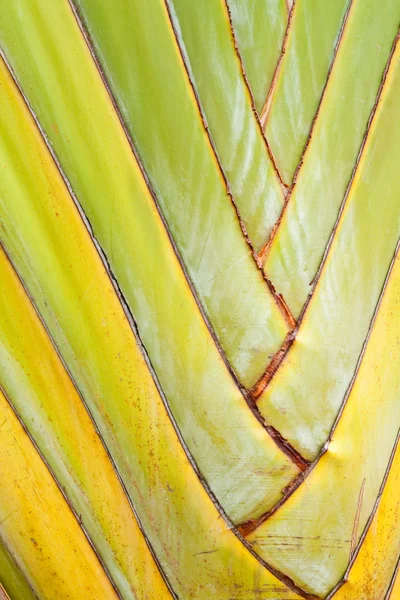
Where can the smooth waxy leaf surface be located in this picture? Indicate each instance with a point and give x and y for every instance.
(297, 249)
(180, 419)
(168, 319)
(316, 555)
(229, 113)
(315, 30)
(52, 411)
(304, 397)
(259, 28)
(184, 173)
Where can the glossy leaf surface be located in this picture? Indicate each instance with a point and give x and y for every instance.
(318, 368)
(310, 48)
(199, 300)
(298, 247)
(245, 453)
(259, 28)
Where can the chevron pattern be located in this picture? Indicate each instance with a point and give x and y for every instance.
(199, 300)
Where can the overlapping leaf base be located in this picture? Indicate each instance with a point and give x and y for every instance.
(199, 300)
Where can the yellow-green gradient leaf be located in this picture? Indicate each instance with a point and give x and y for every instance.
(303, 398)
(298, 246)
(314, 32)
(74, 295)
(259, 29)
(247, 471)
(149, 79)
(38, 526)
(206, 39)
(313, 534)
(52, 411)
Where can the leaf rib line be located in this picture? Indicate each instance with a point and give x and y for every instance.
(280, 576)
(264, 114)
(277, 297)
(122, 301)
(282, 306)
(328, 76)
(253, 104)
(206, 128)
(67, 500)
(276, 361)
(90, 45)
(250, 526)
(265, 249)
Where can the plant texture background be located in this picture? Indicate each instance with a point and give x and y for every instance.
(199, 299)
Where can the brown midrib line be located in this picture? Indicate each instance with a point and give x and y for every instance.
(282, 577)
(60, 488)
(251, 525)
(281, 305)
(328, 76)
(264, 113)
(90, 46)
(279, 356)
(253, 104)
(278, 298)
(265, 249)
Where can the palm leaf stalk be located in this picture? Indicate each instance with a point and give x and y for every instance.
(199, 300)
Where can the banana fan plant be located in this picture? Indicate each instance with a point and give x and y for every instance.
(199, 300)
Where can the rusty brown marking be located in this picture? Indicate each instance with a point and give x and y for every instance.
(353, 543)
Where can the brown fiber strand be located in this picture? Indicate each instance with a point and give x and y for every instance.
(251, 525)
(270, 370)
(61, 489)
(353, 544)
(280, 576)
(265, 109)
(278, 299)
(335, 52)
(253, 104)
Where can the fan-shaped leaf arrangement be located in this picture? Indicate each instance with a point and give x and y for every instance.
(200, 296)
